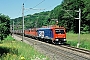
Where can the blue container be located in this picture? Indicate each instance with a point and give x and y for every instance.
(45, 33)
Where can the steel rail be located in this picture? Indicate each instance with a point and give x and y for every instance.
(76, 49)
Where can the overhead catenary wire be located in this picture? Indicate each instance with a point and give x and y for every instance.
(38, 3)
(19, 13)
(24, 1)
(33, 8)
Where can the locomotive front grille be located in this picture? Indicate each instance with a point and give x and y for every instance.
(60, 39)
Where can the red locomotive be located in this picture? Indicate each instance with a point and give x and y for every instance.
(31, 32)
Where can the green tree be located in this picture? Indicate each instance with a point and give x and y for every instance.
(4, 26)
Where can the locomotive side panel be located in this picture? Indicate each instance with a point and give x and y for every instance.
(45, 33)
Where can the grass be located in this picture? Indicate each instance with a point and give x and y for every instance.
(11, 49)
(72, 39)
(15, 50)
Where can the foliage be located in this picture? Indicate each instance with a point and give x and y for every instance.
(4, 26)
(32, 21)
(67, 15)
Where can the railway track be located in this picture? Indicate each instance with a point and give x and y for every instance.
(76, 49)
(58, 52)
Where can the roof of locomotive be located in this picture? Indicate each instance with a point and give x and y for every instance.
(44, 28)
(51, 27)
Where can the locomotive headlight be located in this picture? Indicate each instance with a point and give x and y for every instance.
(64, 39)
(56, 39)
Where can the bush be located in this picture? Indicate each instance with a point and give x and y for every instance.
(5, 50)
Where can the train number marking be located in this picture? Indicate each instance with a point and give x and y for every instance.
(41, 33)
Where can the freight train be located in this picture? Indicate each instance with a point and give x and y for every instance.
(54, 34)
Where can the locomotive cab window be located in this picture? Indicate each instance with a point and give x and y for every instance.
(59, 31)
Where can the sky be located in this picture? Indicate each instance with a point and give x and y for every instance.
(13, 8)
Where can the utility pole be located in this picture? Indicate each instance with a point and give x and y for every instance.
(79, 23)
(13, 28)
(23, 22)
(79, 27)
(23, 18)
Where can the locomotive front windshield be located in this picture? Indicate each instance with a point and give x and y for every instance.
(59, 31)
